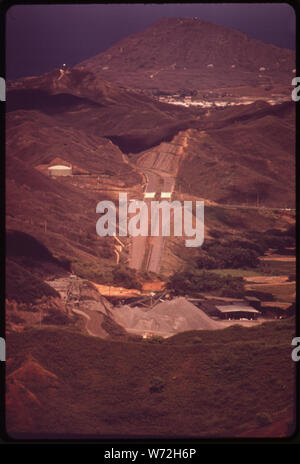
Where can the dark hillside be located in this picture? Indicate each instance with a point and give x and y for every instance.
(205, 384)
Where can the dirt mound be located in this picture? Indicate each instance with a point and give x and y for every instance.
(32, 373)
(20, 403)
(166, 319)
(23, 386)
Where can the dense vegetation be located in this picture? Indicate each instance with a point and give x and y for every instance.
(126, 277)
(194, 281)
(222, 256)
(235, 253)
(219, 265)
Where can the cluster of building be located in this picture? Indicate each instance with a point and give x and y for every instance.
(250, 308)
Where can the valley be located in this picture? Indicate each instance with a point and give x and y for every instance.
(117, 336)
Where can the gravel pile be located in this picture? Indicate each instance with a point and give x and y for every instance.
(166, 318)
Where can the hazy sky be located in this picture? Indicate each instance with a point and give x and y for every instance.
(42, 37)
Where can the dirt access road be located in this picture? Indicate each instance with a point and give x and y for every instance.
(160, 166)
(92, 307)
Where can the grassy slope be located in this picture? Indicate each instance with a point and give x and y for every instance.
(22, 286)
(284, 292)
(215, 383)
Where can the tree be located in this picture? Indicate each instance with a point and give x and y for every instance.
(126, 277)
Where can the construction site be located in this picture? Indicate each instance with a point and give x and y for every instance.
(152, 313)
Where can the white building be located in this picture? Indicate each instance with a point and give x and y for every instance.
(60, 170)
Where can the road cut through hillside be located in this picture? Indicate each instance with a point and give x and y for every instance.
(160, 166)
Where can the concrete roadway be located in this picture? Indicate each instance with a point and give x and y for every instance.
(160, 166)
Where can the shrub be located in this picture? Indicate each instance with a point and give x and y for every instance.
(231, 254)
(88, 271)
(204, 261)
(274, 238)
(233, 288)
(156, 385)
(126, 277)
(247, 244)
(155, 339)
(56, 318)
(194, 281)
(263, 418)
(16, 319)
(234, 258)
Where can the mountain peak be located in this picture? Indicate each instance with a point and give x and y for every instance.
(176, 53)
